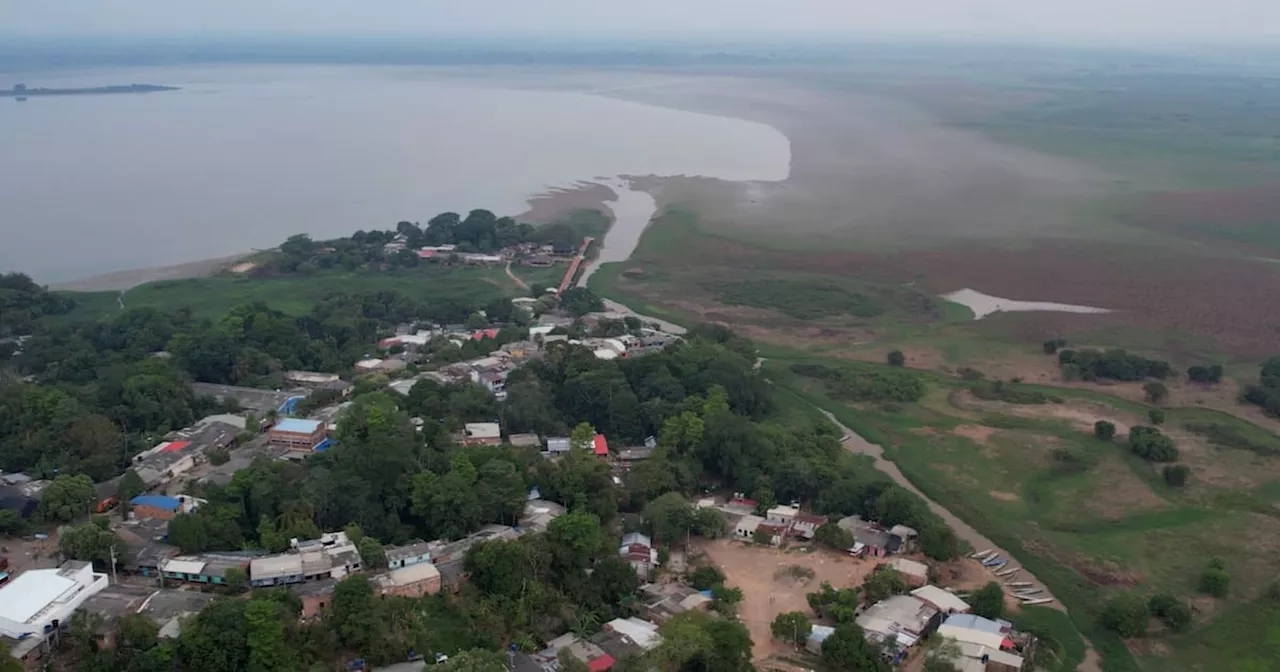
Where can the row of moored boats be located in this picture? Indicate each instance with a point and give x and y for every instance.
(1023, 590)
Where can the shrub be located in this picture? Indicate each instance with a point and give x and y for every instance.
(1205, 374)
(1167, 608)
(1177, 475)
(1111, 364)
(988, 602)
(1215, 582)
(1150, 444)
(967, 373)
(896, 358)
(705, 577)
(1156, 392)
(1052, 345)
(1104, 430)
(1126, 615)
(1156, 415)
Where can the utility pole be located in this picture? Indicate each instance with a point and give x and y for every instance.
(113, 565)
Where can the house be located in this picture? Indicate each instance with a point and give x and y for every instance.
(168, 608)
(635, 453)
(145, 547)
(600, 446)
(746, 527)
(297, 434)
(330, 556)
(638, 551)
(413, 581)
(973, 629)
(111, 604)
(817, 636)
(906, 538)
(408, 555)
(806, 524)
(868, 538)
(662, 602)
(316, 597)
(165, 461)
(902, 619)
(481, 434)
(942, 600)
(160, 506)
(209, 568)
(916, 574)
(310, 379)
(782, 514)
(771, 532)
(524, 440)
(538, 514)
(643, 633)
(557, 446)
(368, 365)
(39, 601)
(978, 658)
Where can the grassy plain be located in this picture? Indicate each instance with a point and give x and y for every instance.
(1083, 514)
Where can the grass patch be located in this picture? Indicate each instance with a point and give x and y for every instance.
(801, 299)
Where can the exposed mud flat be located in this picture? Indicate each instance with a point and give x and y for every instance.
(983, 305)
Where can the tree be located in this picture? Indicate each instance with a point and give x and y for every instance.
(942, 654)
(1125, 614)
(1177, 475)
(1167, 608)
(882, 584)
(11, 523)
(988, 601)
(848, 649)
(939, 542)
(268, 651)
(896, 358)
(474, 660)
(372, 555)
(130, 486)
(1205, 374)
(668, 517)
(705, 577)
(67, 498)
(355, 618)
(1150, 444)
(477, 321)
(90, 542)
(1215, 581)
(236, 579)
(1156, 392)
(1104, 430)
(582, 437)
(1156, 415)
(579, 301)
(1052, 346)
(696, 640)
(833, 536)
(793, 627)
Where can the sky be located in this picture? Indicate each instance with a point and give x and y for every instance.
(1244, 20)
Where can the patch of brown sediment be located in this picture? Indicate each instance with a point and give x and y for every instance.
(122, 280)
(928, 359)
(1117, 492)
(976, 433)
(1106, 573)
(1003, 496)
(557, 202)
(243, 267)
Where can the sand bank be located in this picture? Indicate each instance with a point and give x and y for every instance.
(983, 305)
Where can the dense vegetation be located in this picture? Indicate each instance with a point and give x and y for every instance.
(23, 303)
(803, 300)
(1266, 392)
(869, 384)
(1110, 364)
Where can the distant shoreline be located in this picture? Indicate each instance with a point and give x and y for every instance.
(22, 92)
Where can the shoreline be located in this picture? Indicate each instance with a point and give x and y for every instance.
(128, 279)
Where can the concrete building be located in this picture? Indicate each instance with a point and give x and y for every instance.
(317, 597)
(942, 600)
(297, 435)
(771, 532)
(901, 618)
(408, 555)
(165, 461)
(557, 446)
(746, 527)
(524, 440)
(817, 636)
(413, 581)
(481, 434)
(538, 514)
(637, 550)
(906, 538)
(782, 514)
(40, 600)
(330, 556)
(310, 379)
(868, 538)
(978, 658)
(643, 633)
(806, 525)
(163, 507)
(206, 568)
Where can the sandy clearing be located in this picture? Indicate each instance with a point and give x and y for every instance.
(753, 569)
(983, 305)
(1003, 496)
(977, 433)
(122, 280)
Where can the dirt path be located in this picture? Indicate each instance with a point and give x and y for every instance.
(518, 281)
(861, 446)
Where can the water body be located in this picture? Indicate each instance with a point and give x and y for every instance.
(243, 157)
(983, 305)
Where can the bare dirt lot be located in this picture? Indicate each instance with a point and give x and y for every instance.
(767, 591)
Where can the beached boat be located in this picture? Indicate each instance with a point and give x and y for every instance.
(999, 565)
(1008, 572)
(1020, 584)
(982, 555)
(991, 561)
(1028, 592)
(1043, 600)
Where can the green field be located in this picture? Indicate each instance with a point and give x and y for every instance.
(214, 296)
(1083, 514)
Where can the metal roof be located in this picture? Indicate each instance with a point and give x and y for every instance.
(33, 590)
(422, 571)
(158, 501)
(183, 565)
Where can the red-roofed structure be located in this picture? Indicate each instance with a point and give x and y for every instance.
(600, 446)
(484, 333)
(175, 446)
(601, 664)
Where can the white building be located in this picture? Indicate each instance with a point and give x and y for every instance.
(40, 598)
(942, 600)
(973, 629)
(782, 514)
(902, 617)
(642, 632)
(746, 526)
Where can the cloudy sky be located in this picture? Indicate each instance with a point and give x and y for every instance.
(1154, 19)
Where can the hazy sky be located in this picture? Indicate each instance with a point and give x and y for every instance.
(1244, 19)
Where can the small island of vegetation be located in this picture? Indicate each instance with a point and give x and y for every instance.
(21, 92)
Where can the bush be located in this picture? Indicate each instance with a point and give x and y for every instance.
(988, 602)
(1111, 364)
(1156, 415)
(997, 390)
(896, 358)
(1205, 374)
(1149, 444)
(1052, 345)
(1126, 615)
(1215, 582)
(967, 373)
(834, 537)
(1177, 475)
(705, 577)
(1104, 430)
(1156, 392)
(1167, 608)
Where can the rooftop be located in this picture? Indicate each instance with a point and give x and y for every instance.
(158, 501)
(600, 445)
(483, 430)
(34, 590)
(945, 601)
(974, 622)
(297, 425)
(405, 576)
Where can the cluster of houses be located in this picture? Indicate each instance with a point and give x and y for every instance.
(531, 254)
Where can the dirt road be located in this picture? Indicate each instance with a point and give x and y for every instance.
(518, 281)
(861, 446)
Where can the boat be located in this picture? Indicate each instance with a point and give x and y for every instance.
(1008, 572)
(1019, 584)
(991, 561)
(1028, 592)
(1042, 600)
(999, 565)
(982, 555)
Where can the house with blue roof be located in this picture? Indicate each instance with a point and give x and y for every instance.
(163, 507)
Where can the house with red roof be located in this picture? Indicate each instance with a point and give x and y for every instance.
(600, 446)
